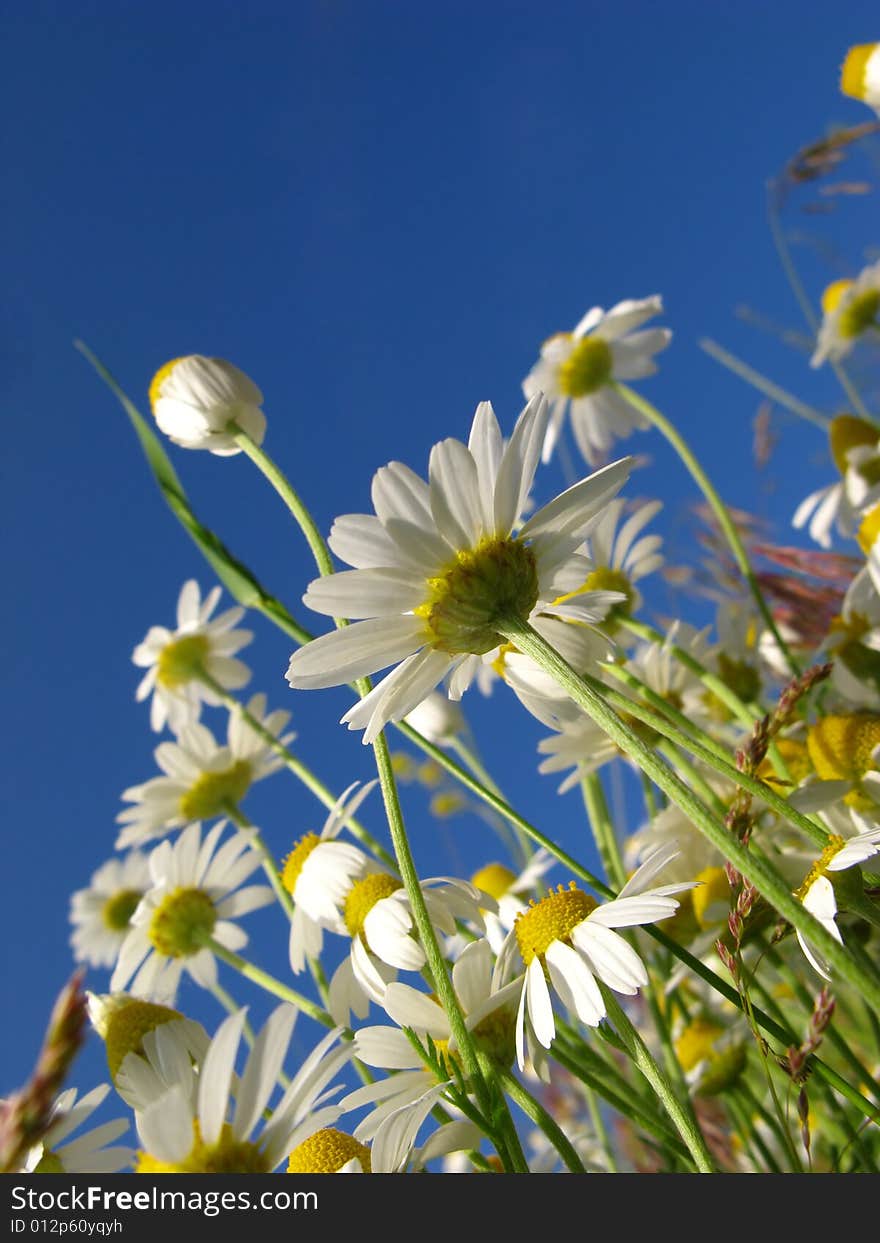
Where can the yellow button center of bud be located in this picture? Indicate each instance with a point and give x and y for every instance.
(551, 919)
(483, 586)
(363, 896)
(295, 861)
(852, 75)
(859, 314)
(327, 1151)
(604, 578)
(128, 1021)
(181, 661)
(696, 1042)
(182, 922)
(211, 795)
(833, 294)
(869, 529)
(117, 911)
(228, 1156)
(847, 432)
(833, 847)
(841, 746)
(587, 367)
(494, 879)
(711, 901)
(159, 379)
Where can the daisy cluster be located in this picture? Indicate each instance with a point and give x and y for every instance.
(541, 1013)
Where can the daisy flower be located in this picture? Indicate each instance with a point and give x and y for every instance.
(195, 897)
(101, 914)
(855, 448)
(200, 403)
(440, 564)
(849, 310)
(860, 75)
(57, 1153)
(402, 1101)
(202, 779)
(376, 915)
(844, 750)
(576, 369)
(567, 940)
(817, 891)
(123, 1021)
(620, 555)
(190, 1125)
(318, 874)
(175, 659)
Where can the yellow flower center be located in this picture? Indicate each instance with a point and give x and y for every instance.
(483, 586)
(551, 919)
(295, 861)
(117, 911)
(213, 792)
(182, 660)
(869, 529)
(228, 1156)
(852, 75)
(696, 1043)
(859, 314)
(447, 803)
(327, 1151)
(833, 846)
(182, 922)
(847, 432)
(363, 896)
(711, 901)
(159, 379)
(833, 294)
(127, 1022)
(494, 879)
(841, 746)
(586, 369)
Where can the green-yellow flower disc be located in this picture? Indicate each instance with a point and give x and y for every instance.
(213, 793)
(127, 1021)
(587, 368)
(182, 660)
(182, 922)
(117, 911)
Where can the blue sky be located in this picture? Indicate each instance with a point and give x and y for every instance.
(378, 211)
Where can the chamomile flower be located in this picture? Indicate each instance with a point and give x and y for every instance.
(202, 778)
(101, 914)
(567, 940)
(122, 1022)
(620, 555)
(318, 874)
(377, 916)
(850, 308)
(176, 659)
(196, 896)
(58, 1153)
(441, 564)
(190, 1125)
(855, 448)
(200, 403)
(817, 891)
(844, 750)
(576, 369)
(404, 1099)
(860, 75)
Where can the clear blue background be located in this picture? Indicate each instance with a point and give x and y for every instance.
(378, 210)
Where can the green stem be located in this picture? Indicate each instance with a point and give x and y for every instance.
(603, 829)
(533, 1109)
(252, 833)
(595, 1111)
(298, 768)
(288, 494)
(862, 975)
(719, 509)
(763, 385)
(268, 982)
(682, 1118)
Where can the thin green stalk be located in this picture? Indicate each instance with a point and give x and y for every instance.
(777, 1124)
(298, 768)
(534, 1110)
(862, 975)
(750, 1136)
(719, 509)
(763, 385)
(681, 1117)
(595, 1112)
(252, 833)
(268, 982)
(603, 829)
(289, 495)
